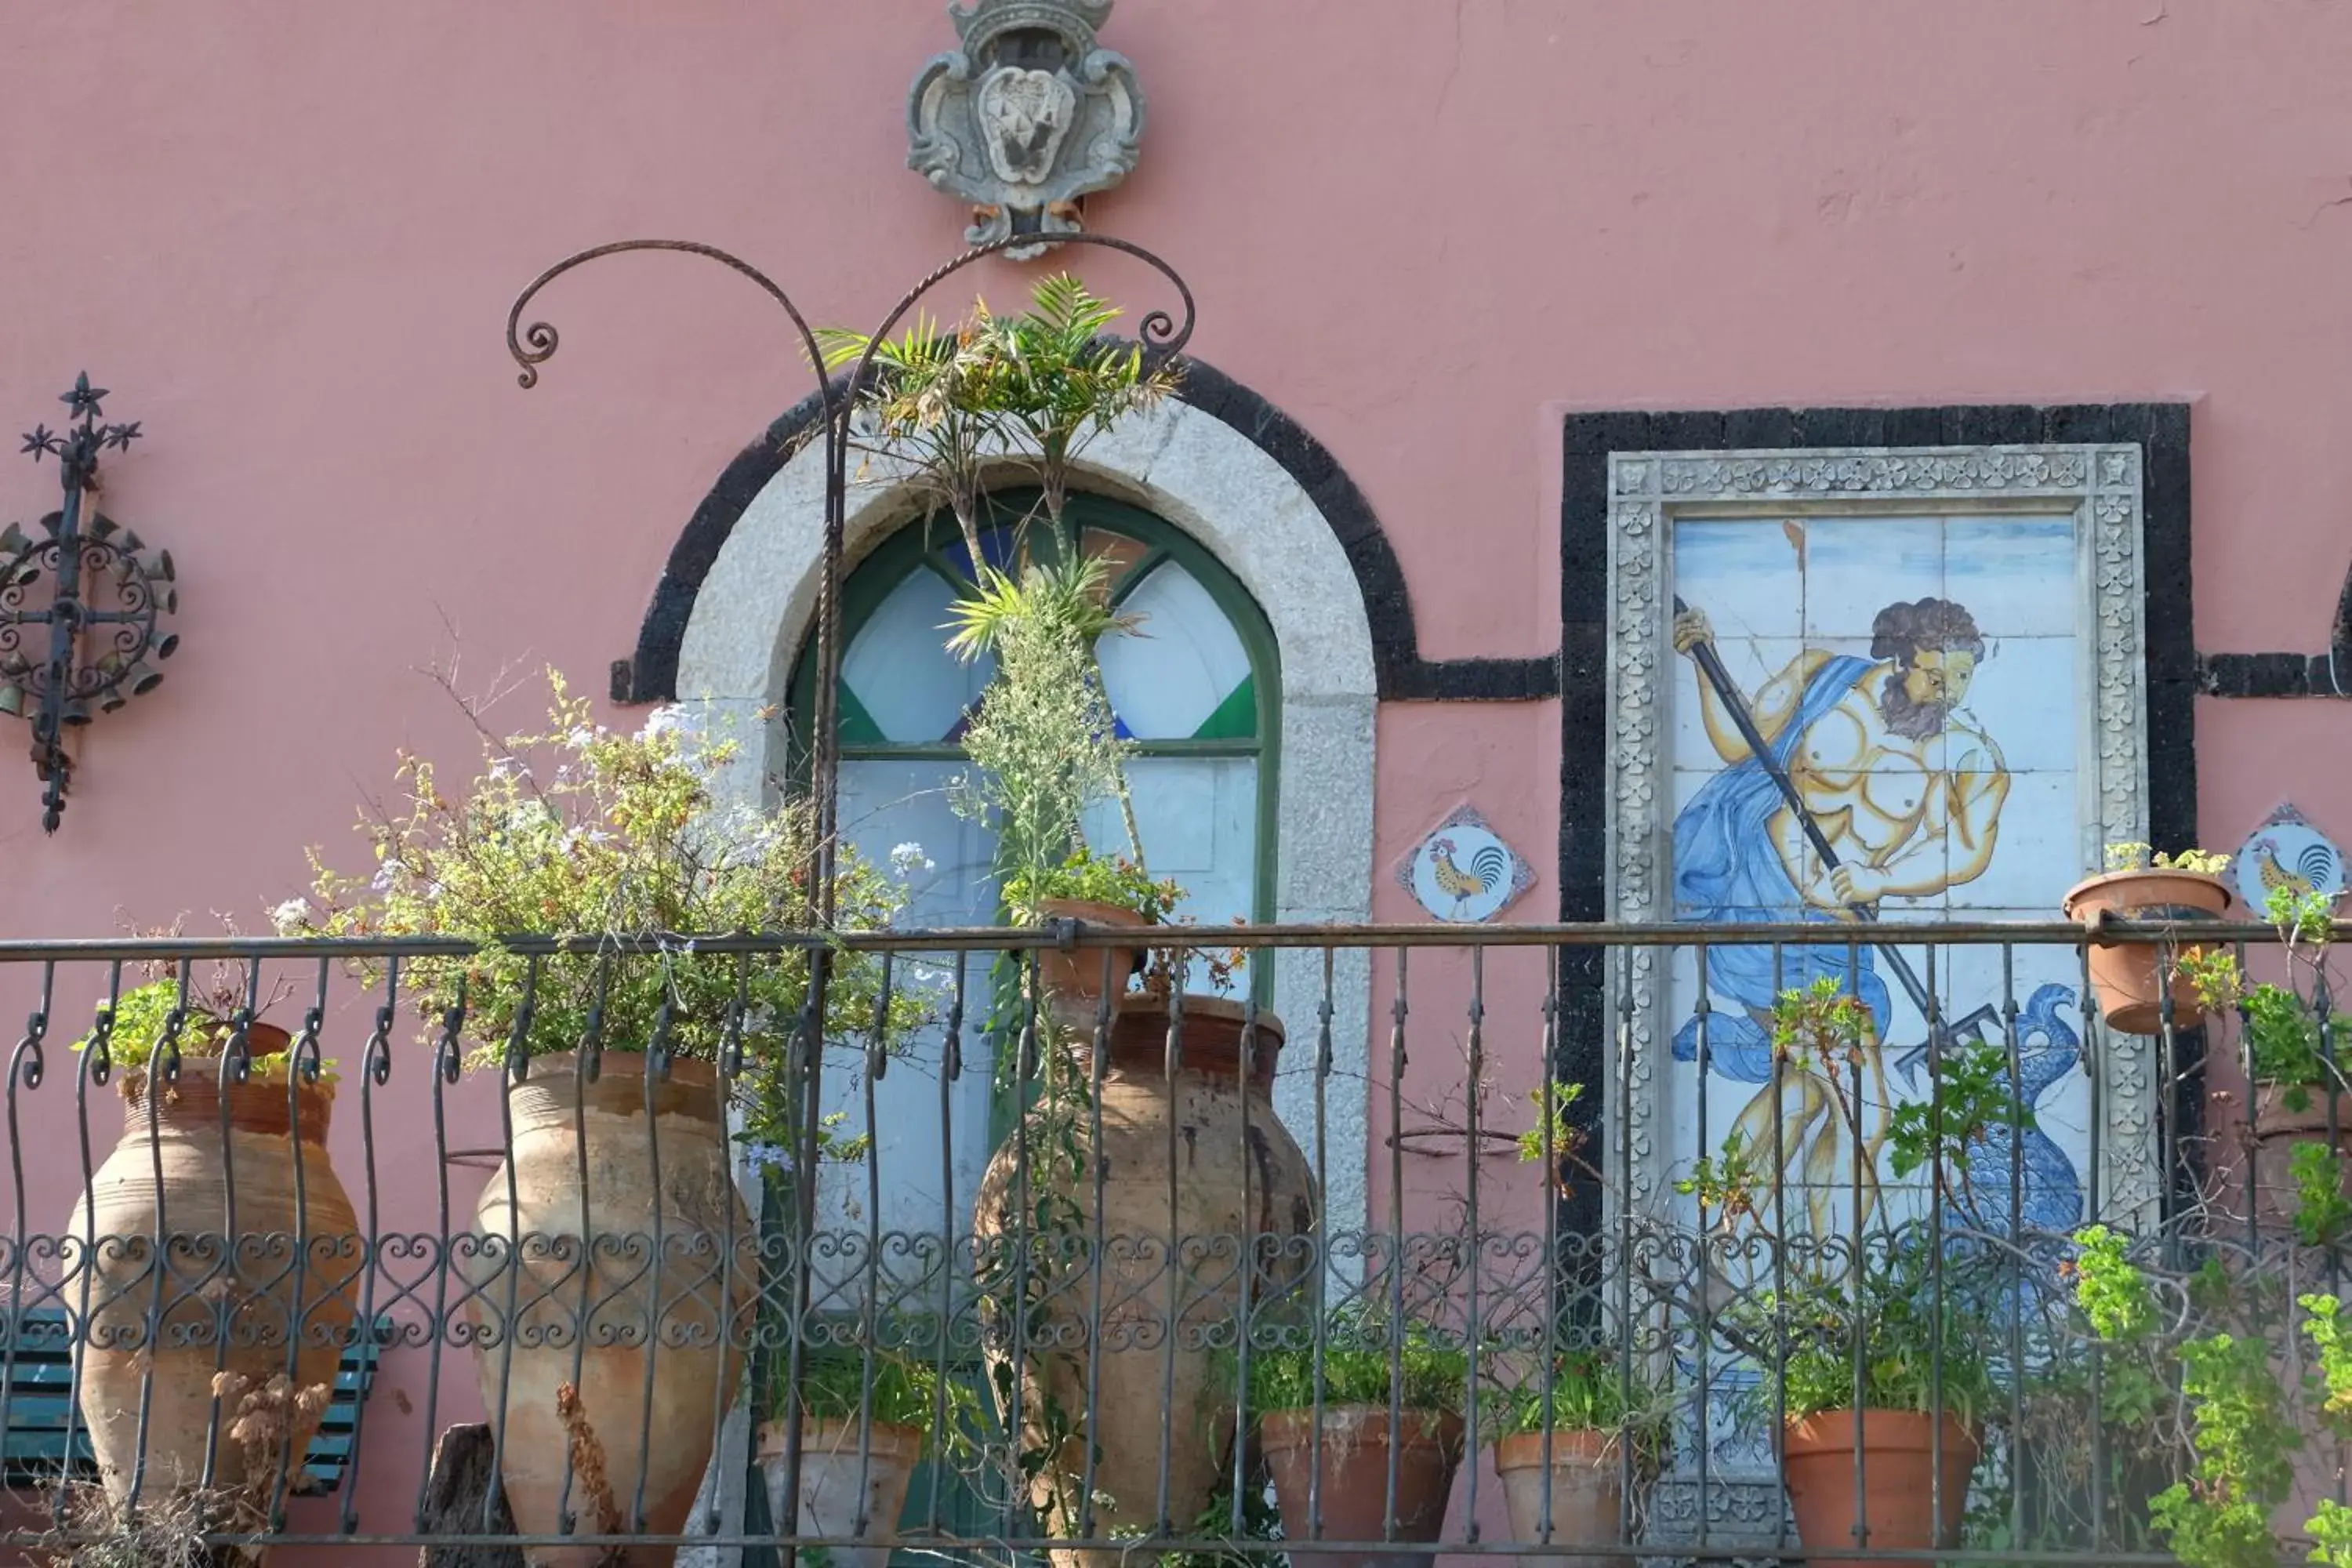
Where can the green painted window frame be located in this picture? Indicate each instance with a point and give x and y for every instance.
(922, 544)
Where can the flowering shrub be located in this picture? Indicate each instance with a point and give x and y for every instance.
(582, 831)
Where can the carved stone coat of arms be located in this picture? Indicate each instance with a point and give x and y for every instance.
(1030, 115)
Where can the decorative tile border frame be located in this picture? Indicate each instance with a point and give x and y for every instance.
(2100, 484)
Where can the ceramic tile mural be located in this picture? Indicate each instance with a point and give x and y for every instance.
(1921, 681)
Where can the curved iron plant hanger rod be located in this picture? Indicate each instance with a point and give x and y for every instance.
(542, 336)
(1162, 335)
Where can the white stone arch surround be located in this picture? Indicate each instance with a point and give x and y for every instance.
(756, 602)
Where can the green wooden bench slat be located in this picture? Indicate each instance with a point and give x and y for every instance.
(37, 1346)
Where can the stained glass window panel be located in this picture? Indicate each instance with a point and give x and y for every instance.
(899, 682)
(1179, 680)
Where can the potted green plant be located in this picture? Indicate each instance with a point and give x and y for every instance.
(1331, 1437)
(1919, 1430)
(1095, 889)
(2299, 1087)
(1025, 393)
(1873, 1352)
(2129, 978)
(581, 831)
(1043, 750)
(862, 1434)
(188, 1128)
(1566, 1437)
(2202, 1365)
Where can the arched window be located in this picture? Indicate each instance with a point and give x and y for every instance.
(1198, 691)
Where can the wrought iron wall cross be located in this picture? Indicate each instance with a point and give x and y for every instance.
(82, 601)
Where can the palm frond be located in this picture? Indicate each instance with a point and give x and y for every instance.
(1070, 596)
(1066, 307)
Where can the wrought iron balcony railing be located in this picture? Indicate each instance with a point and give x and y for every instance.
(979, 1244)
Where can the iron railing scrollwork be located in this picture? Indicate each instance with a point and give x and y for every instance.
(197, 1347)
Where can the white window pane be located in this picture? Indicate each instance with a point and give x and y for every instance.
(1165, 682)
(884, 805)
(900, 671)
(1198, 816)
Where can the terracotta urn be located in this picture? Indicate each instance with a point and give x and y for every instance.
(280, 1294)
(609, 1316)
(1239, 1187)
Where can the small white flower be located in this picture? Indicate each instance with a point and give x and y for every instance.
(661, 721)
(909, 859)
(580, 737)
(291, 916)
(385, 875)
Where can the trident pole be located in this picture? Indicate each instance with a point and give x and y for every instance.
(1710, 666)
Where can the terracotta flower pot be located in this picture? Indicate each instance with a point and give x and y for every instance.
(1073, 981)
(832, 1459)
(2274, 1119)
(2279, 1130)
(287, 1278)
(1587, 1489)
(1900, 1500)
(2128, 976)
(636, 1305)
(1353, 1470)
(1240, 1182)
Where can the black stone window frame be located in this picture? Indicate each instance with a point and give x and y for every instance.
(2174, 675)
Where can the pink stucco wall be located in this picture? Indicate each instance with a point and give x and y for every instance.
(287, 236)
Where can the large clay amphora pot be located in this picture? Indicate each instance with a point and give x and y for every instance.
(664, 1322)
(1241, 1189)
(283, 1283)
(1900, 1497)
(1348, 1473)
(1587, 1487)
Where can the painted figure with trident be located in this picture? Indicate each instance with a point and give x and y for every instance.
(1850, 781)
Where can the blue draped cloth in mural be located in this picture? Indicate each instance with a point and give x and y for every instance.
(1728, 868)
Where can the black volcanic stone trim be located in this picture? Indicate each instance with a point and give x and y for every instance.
(2326, 674)
(2175, 674)
(651, 675)
(1400, 674)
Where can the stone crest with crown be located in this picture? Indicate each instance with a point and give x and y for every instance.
(1026, 119)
